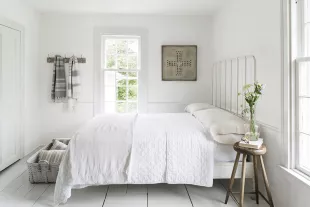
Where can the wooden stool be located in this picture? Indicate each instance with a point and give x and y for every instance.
(256, 153)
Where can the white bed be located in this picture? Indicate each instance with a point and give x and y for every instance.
(153, 148)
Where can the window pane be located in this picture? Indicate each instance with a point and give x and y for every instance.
(121, 83)
(304, 77)
(132, 82)
(132, 93)
(304, 153)
(133, 74)
(133, 46)
(121, 107)
(304, 115)
(110, 47)
(132, 62)
(132, 107)
(121, 46)
(110, 62)
(121, 93)
(122, 62)
(121, 75)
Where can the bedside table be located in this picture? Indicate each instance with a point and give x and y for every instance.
(256, 153)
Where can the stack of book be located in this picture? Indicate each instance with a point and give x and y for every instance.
(252, 144)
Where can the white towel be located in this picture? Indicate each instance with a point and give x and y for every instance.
(74, 84)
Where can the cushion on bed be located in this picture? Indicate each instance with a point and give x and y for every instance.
(191, 108)
(225, 128)
(57, 145)
(51, 156)
(227, 139)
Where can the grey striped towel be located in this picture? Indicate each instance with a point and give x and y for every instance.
(59, 89)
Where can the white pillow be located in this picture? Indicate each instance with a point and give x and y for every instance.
(228, 139)
(222, 125)
(191, 108)
(51, 156)
(57, 145)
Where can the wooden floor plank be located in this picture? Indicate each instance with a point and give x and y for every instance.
(126, 196)
(14, 171)
(47, 198)
(91, 197)
(165, 195)
(15, 184)
(212, 197)
(36, 192)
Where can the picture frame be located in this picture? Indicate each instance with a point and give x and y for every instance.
(179, 62)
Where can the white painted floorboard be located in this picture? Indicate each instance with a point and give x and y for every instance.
(20, 193)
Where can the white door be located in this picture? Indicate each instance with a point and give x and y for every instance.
(10, 96)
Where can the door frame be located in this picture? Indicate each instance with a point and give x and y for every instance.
(18, 27)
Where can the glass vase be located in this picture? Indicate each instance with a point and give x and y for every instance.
(251, 128)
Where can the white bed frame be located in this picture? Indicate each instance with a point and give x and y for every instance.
(229, 76)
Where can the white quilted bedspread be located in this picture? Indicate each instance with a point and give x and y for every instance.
(137, 149)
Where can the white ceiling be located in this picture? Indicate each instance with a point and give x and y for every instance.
(128, 6)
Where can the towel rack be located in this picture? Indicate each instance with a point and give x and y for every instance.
(66, 60)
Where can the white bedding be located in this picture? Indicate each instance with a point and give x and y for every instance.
(224, 153)
(139, 149)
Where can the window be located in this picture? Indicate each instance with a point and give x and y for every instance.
(301, 84)
(120, 65)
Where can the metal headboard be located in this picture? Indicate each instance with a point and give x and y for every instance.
(229, 76)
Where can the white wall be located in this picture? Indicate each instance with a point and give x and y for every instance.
(16, 11)
(73, 34)
(251, 27)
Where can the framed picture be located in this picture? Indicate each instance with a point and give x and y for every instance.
(179, 62)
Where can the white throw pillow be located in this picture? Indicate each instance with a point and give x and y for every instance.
(51, 156)
(191, 108)
(225, 128)
(57, 145)
(228, 139)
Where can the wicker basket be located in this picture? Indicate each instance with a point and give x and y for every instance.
(43, 172)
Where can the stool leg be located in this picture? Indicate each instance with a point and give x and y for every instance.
(266, 181)
(242, 180)
(232, 178)
(256, 178)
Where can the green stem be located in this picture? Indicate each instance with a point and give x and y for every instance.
(252, 120)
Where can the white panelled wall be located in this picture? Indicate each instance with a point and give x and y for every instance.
(17, 11)
(74, 34)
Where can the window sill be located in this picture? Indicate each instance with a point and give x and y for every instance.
(297, 174)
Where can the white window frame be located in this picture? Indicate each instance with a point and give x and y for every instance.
(98, 63)
(137, 70)
(293, 54)
(297, 97)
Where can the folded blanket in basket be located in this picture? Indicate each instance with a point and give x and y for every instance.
(51, 156)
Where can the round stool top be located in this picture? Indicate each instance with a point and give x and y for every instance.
(261, 151)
